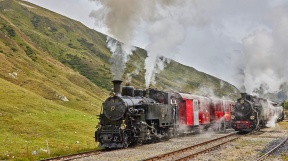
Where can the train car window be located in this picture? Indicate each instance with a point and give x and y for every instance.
(196, 106)
(173, 101)
(201, 106)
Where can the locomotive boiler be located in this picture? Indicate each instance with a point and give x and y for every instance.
(252, 113)
(130, 118)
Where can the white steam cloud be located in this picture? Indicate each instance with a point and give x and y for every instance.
(273, 112)
(243, 42)
(120, 55)
(266, 53)
(164, 22)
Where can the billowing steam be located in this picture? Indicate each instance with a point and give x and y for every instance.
(241, 42)
(153, 65)
(115, 15)
(274, 111)
(164, 21)
(205, 91)
(264, 62)
(120, 55)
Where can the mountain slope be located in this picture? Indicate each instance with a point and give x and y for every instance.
(54, 75)
(85, 51)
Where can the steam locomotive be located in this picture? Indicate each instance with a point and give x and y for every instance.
(253, 113)
(134, 116)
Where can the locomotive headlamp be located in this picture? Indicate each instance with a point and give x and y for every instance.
(252, 117)
(123, 125)
(232, 117)
(241, 101)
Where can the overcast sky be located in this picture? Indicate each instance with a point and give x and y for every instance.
(243, 42)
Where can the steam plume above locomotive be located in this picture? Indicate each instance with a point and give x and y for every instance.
(120, 55)
(266, 53)
(219, 33)
(123, 18)
(117, 19)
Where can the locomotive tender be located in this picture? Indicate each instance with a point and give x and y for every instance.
(137, 116)
(252, 113)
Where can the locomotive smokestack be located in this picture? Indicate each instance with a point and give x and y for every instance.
(243, 95)
(117, 87)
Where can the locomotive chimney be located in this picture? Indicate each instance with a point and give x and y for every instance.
(117, 87)
(243, 95)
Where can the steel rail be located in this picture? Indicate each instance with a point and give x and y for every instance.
(205, 150)
(187, 148)
(74, 156)
(272, 150)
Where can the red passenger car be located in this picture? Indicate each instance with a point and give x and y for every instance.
(196, 111)
(222, 110)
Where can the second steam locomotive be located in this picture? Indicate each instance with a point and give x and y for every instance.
(134, 116)
(252, 113)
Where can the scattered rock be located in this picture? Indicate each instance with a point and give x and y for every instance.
(13, 75)
(62, 97)
(34, 152)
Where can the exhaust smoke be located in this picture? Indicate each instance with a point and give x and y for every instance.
(120, 55)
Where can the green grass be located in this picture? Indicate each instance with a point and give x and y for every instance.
(284, 124)
(30, 123)
(284, 156)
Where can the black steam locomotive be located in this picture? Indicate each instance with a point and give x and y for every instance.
(252, 113)
(129, 118)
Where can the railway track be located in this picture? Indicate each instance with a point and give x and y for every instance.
(182, 154)
(272, 150)
(74, 156)
(192, 151)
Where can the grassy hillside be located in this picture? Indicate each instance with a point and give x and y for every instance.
(54, 75)
(84, 50)
(31, 120)
(187, 79)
